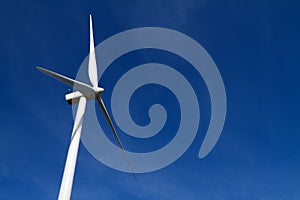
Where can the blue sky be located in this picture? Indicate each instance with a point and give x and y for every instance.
(255, 45)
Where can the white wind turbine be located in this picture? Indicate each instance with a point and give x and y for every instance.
(84, 92)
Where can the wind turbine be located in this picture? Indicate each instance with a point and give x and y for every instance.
(84, 92)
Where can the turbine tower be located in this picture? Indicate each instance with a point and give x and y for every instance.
(84, 92)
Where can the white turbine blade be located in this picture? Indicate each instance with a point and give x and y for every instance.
(104, 111)
(81, 87)
(92, 70)
(68, 176)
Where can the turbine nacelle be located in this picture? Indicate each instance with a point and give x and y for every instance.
(73, 97)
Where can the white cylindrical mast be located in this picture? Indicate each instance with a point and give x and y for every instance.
(67, 180)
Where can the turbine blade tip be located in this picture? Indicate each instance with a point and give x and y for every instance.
(39, 68)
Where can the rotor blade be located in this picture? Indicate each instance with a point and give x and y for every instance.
(104, 111)
(81, 87)
(92, 70)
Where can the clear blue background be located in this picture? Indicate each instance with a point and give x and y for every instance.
(255, 45)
